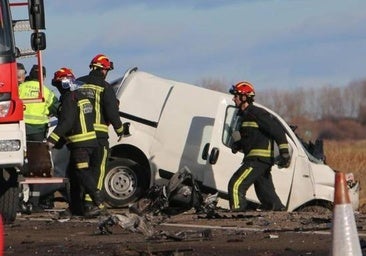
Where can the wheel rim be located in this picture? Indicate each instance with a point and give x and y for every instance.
(120, 183)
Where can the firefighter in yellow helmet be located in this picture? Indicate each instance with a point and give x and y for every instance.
(76, 124)
(36, 115)
(257, 130)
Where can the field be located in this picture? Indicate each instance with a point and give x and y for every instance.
(349, 156)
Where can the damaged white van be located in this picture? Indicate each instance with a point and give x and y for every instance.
(176, 125)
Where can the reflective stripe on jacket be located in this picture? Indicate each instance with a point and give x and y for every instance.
(105, 103)
(76, 121)
(258, 130)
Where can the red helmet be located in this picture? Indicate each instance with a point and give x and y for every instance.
(62, 73)
(243, 87)
(101, 61)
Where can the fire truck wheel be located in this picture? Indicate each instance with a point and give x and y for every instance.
(9, 195)
(125, 182)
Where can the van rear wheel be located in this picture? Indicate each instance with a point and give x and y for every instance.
(124, 182)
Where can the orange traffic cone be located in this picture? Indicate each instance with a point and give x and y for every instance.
(345, 240)
(1, 236)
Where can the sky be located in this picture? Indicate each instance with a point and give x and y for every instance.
(281, 44)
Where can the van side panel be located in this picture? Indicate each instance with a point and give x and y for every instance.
(184, 128)
(144, 97)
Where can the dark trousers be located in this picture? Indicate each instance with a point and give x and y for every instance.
(99, 169)
(80, 173)
(257, 173)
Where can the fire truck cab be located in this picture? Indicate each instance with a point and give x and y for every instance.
(12, 127)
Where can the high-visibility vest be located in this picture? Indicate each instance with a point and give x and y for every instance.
(36, 113)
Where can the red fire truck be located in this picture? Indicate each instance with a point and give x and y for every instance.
(12, 127)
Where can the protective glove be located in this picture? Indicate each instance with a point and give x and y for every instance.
(235, 147)
(283, 160)
(125, 131)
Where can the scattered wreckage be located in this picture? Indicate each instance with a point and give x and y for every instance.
(180, 194)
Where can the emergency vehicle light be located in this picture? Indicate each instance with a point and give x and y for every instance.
(4, 108)
(9, 145)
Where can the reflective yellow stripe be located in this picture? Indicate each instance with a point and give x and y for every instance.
(237, 184)
(101, 127)
(35, 119)
(102, 169)
(82, 165)
(94, 87)
(261, 152)
(120, 130)
(249, 124)
(282, 146)
(83, 137)
(54, 136)
(81, 104)
(98, 91)
(87, 198)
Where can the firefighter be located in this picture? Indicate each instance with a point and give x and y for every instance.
(37, 114)
(106, 107)
(255, 135)
(76, 125)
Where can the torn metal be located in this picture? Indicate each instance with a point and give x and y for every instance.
(179, 195)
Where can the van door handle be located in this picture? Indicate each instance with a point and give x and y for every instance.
(205, 151)
(214, 155)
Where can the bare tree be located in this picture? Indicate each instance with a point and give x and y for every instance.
(310, 103)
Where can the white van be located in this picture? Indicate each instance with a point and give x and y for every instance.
(176, 125)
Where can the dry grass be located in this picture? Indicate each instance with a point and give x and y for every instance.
(349, 156)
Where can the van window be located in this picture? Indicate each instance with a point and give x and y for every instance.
(230, 125)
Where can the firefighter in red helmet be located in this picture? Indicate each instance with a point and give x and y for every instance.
(76, 125)
(107, 108)
(255, 136)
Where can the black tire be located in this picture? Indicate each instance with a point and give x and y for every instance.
(322, 207)
(9, 195)
(125, 182)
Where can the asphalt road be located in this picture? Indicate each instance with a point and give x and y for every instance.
(249, 233)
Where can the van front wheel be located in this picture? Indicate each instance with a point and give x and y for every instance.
(124, 182)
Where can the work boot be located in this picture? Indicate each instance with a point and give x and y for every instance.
(91, 212)
(98, 207)
(97, 197)
(95, 211)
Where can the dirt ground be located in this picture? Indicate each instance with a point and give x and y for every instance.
(250, 233)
